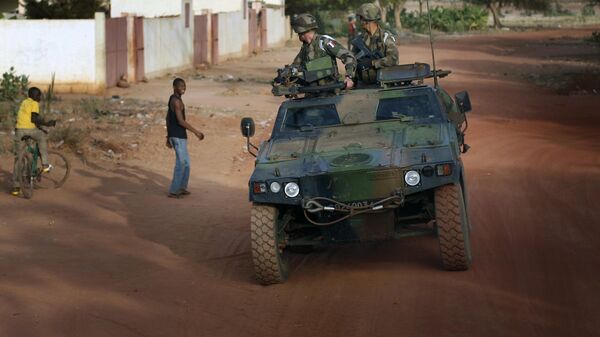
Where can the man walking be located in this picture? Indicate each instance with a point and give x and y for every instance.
(177, 140)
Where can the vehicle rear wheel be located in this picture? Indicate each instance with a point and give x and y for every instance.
(268, 244)
(453, 227)
(25, 177)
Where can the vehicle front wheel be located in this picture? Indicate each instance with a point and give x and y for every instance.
(452, 227)
(268, 244)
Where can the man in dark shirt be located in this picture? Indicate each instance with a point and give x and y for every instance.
(177, 140)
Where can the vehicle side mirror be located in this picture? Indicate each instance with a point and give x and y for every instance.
(463, 101)
(247, 127)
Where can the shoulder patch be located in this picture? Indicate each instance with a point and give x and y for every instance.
(387, 35)
(326, 39)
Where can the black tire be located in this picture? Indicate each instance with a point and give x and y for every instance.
(452, 227)
(270, 262)
(61, 168)
(25, 176)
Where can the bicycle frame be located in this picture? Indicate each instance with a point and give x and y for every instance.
(35, 155)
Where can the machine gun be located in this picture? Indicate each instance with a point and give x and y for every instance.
(292, 79)
(365, 56)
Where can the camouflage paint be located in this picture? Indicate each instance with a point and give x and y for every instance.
(360, 159)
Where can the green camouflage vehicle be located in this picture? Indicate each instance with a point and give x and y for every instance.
(367, 164)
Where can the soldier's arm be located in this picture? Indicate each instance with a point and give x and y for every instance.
(298, 59)
(335, 49)
(391, 54)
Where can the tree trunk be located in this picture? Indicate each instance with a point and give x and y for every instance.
(397, 11)
(494, 10)
(420, 7)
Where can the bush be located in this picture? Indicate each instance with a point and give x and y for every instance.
(595, 37)
(13, 87)
(70, 136)
(469, 18)
(555, 9)
(588, 10)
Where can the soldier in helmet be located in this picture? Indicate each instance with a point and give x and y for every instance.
(315, 46)
(378, 40)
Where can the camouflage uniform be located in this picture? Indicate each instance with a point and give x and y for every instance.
(321, 46)
(381, 41)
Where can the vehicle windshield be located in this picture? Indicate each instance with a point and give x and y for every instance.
(310, 117)
(408, 109)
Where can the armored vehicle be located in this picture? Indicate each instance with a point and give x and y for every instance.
(366, 164)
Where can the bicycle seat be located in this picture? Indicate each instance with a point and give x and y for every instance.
(26, 138)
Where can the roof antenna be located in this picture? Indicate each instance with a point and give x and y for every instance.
(435, 76)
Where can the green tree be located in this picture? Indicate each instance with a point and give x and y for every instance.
(494, 6)
(63, 9)
(394, 5)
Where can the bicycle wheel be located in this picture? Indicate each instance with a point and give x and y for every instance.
(25, 177)
(57, 175)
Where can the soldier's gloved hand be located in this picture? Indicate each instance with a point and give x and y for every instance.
(348, 82)
(364, 64)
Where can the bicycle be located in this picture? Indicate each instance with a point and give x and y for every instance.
(31, 173)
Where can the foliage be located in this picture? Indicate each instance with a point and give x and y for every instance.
(556, 9)
(63, 9)
(595, 37)
(71, 136)
(315, 6)
(588, 10)
(13, 87)
(468, 18)
(494, 6)
(49, 95)
(8, 111)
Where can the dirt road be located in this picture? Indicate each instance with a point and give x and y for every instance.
(110, 255)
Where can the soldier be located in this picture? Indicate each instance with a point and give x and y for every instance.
(380, 42)
(315, 46)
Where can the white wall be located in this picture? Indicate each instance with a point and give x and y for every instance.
(233, 35)
(146, 8)
(276, 27)
(217, 6)
(40, 47)
(275, 2)
(168, 45)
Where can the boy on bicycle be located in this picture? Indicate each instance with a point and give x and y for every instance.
(28, 122)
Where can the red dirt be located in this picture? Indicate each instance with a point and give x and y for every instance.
(110, 255)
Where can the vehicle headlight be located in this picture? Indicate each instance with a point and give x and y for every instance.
(412, 178)
(275, 187)
(291, 190)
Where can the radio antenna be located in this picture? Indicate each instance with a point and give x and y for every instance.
(435, 77)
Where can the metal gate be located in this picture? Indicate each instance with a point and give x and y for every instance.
(252, 32)
(214, 29)
(116, 50)
(138, 35)
(263, 29)
(200, 39)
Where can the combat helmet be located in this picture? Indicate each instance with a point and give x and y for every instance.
(369, 12)
(304, 22)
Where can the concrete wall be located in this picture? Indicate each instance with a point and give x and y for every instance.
(233, 35)
(168, 45)
(146, 8)
(67, 48)
(217, 6)
(277, 24)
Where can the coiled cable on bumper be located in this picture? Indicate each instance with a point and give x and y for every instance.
(314, 205)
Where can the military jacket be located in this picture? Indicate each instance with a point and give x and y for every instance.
(384, 42)
(324, 45)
